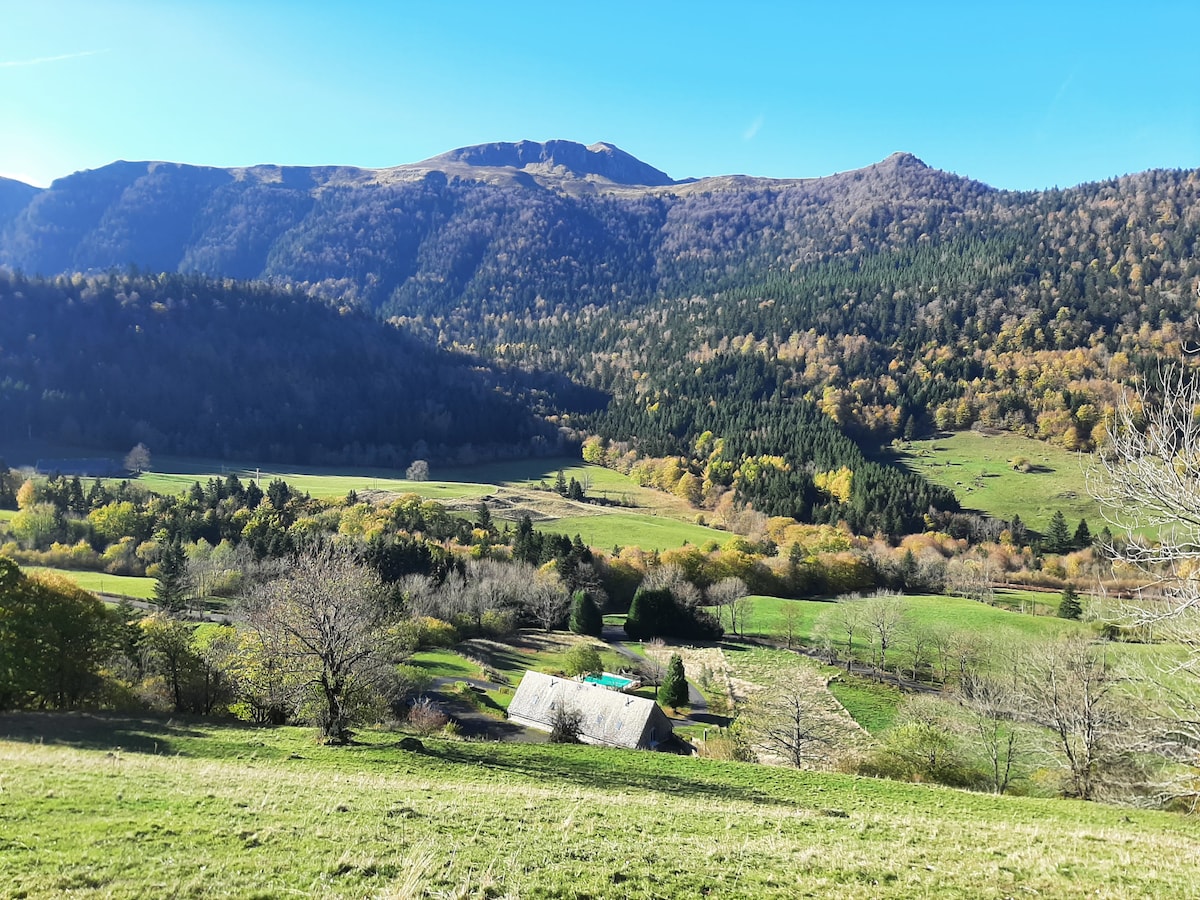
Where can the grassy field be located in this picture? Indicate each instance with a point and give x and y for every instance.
(768, 617)
(99, 582)
(976, 467)
(635, 530)
(323, 486)
(647, 518)
(111, 807)
(6, 515)
(872, 705)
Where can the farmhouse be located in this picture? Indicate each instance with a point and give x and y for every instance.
(609, 718)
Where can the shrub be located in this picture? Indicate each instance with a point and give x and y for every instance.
(425, 717)
(582, 659)
(566, 726)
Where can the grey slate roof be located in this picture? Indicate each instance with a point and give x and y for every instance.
(609, 717)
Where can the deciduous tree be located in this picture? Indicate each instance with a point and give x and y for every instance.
(321, 622)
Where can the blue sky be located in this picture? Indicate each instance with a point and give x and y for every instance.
(1019, 95)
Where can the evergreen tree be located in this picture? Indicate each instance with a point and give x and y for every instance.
(254, 495)
(170, 585)
(673, 692)
(485, 518)
(1058, 537)
(585, 617)
(1069, 606)
(1083, 535)
(560, 483)
(575, 491)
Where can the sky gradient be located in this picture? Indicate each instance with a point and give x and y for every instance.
(1018, 95)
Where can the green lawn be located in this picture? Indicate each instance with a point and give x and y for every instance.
(6, 515)
(101, 583)
(768, 617)
(976, 467)
(118, 807)
(634, 530)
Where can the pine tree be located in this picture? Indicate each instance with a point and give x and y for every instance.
(585, 617)
(170, 586)
(1058, 537)
(1070, 607)
(673, 692)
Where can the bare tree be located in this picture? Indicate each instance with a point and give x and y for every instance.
(919, 641)
(320, 623)
(546, 600)
(137, 460)
(990, 706)
(651, 668)
(956, 652)
(418, 471)
(791, 622)
(1146, 477)
(729, 595)
(846, 617)
(883, 615)
(1069, 687)
(789, 722)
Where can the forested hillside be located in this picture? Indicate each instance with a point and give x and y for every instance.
(194, 366)
(782, 316)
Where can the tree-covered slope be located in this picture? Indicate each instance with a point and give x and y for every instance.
(194, 366)
(894, 299)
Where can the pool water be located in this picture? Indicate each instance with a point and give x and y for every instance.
(609, 681)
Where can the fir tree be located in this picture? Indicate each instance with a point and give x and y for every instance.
(1058, 537)
(170, 585)
(1069, 607)
(585, 617)
(1083, 535)
(673, 692)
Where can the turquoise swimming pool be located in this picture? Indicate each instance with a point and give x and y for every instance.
(608, 680)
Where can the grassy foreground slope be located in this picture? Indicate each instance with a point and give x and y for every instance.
(199, 809)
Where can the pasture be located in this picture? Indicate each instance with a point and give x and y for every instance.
(978, 468)
(625, 529)
(103, 583)
(770, 617)
(642, 517)
(96, 806)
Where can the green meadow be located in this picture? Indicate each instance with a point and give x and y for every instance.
(137, 807)
(769, 617)
(102, 583)
(977, 467)
(634, 530)
(644, 518)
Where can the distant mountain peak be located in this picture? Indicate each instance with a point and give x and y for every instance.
(905, 160)
(599, 160)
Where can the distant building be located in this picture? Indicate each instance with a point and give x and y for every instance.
(609, 718)
(90, 468)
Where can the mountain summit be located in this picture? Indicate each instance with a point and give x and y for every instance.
(600, 160)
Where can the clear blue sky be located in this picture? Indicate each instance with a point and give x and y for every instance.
(1019, 95)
